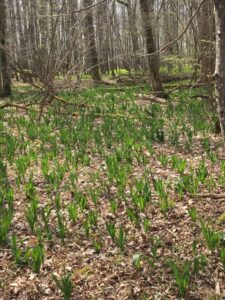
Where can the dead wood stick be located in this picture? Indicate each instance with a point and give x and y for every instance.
(212, 196)
(12, 105)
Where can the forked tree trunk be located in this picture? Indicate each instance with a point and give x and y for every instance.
(220, 61)
(153, 61)
(4, 72)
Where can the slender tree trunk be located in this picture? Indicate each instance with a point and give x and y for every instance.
(206, 43)
(90, 36)
(132, 19)
(4, 72)
(153, 61)
(220, 61)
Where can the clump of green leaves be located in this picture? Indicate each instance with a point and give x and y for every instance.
(37, 254)
(73, 213)
(141, 194)
(117, 236)
(192, 213)
(222, 256)
(181, 274)
(5, 222)
(212, 237)
(21, 258)
(32, 213)
(137, 261)
(111, 228)
(65, 285)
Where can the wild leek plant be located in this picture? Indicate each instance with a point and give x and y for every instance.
(141, 194)
(37, 254)
(111, 228)
(45, 214)
(192, 213)
(146, 224)
(222, 256)
(61, 227)
(32, 213)
(21, 257)
(73, 213)
(199, 263)
(163, 159)
(202, 172)
(212, 156)
(17, 252)
(5, 222)
(87, 227)
(65, 285)
(137, 261)
(181, 274)
(212, 237)
(30, 189)
(132, 215)
(120, 239)
(178, 163)
(113, 206)
(22, 164)
(81, 200)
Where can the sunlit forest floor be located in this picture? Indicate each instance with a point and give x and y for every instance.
(121, 197)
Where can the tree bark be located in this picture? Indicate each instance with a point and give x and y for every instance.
(90, 36)
(206, 43)
(153, 61)
(6, 81)
(220, 61)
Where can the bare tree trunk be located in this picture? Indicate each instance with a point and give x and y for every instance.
(206, 43)
(4, 72)
(220, 61)
(90, 36)
(132, 19)
(21, 21)
(153, 61)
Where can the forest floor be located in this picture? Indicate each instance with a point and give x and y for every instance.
(121, 197)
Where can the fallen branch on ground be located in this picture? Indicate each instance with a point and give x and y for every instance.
(12, 105)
